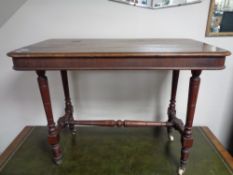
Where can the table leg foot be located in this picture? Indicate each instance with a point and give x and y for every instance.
(73, 129)
(177, 125)
(181, 171)
(172, 106)
(171, 137)
(58, 161)
(53, 140)
(57, 154)
(169, 133)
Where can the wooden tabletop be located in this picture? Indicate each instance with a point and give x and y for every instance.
(73, 54)
(119, 48)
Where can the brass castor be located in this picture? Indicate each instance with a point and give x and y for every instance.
(58, 161)
(181, 171)
(171, 137)
(74, 131)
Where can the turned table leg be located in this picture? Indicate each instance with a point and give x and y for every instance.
(172, 106)
(68, 104)
(187, 140)
(53, 135)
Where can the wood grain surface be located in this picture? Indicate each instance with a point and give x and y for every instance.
(119, 48)
(115, 54)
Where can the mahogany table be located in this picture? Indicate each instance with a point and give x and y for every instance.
(120, 54)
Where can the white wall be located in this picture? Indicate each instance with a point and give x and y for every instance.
(7, 9)
(109, 94)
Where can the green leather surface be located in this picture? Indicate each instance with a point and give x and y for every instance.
(115, 151)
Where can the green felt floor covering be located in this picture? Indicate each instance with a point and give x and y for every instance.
(115, 151)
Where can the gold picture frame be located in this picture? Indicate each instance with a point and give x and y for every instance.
(209, 33)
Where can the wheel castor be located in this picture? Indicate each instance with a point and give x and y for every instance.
(181, 171)
(59, 161)
(171, 137)
(74, 131)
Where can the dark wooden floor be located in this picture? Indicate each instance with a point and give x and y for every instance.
(113, 151)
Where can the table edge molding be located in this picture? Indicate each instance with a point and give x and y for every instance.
(9, 152)
(219, 147)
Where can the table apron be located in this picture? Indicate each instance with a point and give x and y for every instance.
(205, 63)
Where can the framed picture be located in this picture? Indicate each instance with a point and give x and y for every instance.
(220, 20)
(155, 4)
